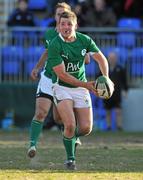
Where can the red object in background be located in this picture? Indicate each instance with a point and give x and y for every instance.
(127, 5)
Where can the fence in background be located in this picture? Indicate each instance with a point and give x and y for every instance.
(6, 7)
(21, 48)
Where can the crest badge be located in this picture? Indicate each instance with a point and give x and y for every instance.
(83, 52)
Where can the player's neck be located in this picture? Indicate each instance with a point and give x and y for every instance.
(68, 39)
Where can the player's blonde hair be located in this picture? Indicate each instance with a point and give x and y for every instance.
(63, 5)
(69, 14)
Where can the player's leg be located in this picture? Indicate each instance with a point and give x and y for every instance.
(84, 121)
(58, 120)
(56, 115)
(64, 104)
(83, 112)
(41, 111)
(68, 119)
(43, 103)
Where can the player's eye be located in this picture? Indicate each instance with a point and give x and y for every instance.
(62, 24)
(69, 24)
(58, 14)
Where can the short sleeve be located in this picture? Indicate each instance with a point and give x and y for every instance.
(92, 47)
(54, 53)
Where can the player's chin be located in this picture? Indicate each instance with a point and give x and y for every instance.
(65, 35)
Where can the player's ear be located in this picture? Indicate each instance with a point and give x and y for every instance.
(76, 26)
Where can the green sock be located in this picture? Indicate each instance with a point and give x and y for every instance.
(69, 144)
(36, 127)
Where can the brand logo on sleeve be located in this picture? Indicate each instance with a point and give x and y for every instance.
(64, 56)
(48, 41)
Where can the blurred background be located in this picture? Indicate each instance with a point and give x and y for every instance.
(116, 26)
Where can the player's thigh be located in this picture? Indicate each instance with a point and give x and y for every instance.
(43, 105)
(65, 109)
(84, 117)
(56, 115)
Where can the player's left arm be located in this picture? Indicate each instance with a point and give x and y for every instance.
(102, 62)
(97, 55)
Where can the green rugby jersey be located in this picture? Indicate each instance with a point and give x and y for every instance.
(72, 54)
(49, 35)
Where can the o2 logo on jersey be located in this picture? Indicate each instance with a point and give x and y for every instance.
(83, 52)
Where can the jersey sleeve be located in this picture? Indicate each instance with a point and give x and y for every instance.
(92, 47)
(46, 42)
(54, 54)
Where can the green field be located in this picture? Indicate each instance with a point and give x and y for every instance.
(103, 155)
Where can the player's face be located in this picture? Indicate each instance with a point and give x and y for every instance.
(67, 27)
(59, 11)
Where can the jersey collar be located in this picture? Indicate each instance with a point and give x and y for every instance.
(63, 38)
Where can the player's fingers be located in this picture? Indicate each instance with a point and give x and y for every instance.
(94, 91)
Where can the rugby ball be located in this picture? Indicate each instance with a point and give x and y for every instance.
(104, 87)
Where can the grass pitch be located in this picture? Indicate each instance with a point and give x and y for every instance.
(103, 155)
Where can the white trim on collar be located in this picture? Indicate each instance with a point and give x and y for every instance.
(63, 38)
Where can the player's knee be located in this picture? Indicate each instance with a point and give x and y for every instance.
(41, 115)
(86, 130)
(69, 129)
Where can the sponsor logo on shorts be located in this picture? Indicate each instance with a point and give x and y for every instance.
(86, 100)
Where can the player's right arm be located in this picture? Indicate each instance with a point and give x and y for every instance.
(40, 64)
(59, 69)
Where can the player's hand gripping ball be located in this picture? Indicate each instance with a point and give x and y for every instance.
(104, 87)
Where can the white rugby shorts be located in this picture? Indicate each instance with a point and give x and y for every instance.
(45, 85)
(80, 96)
